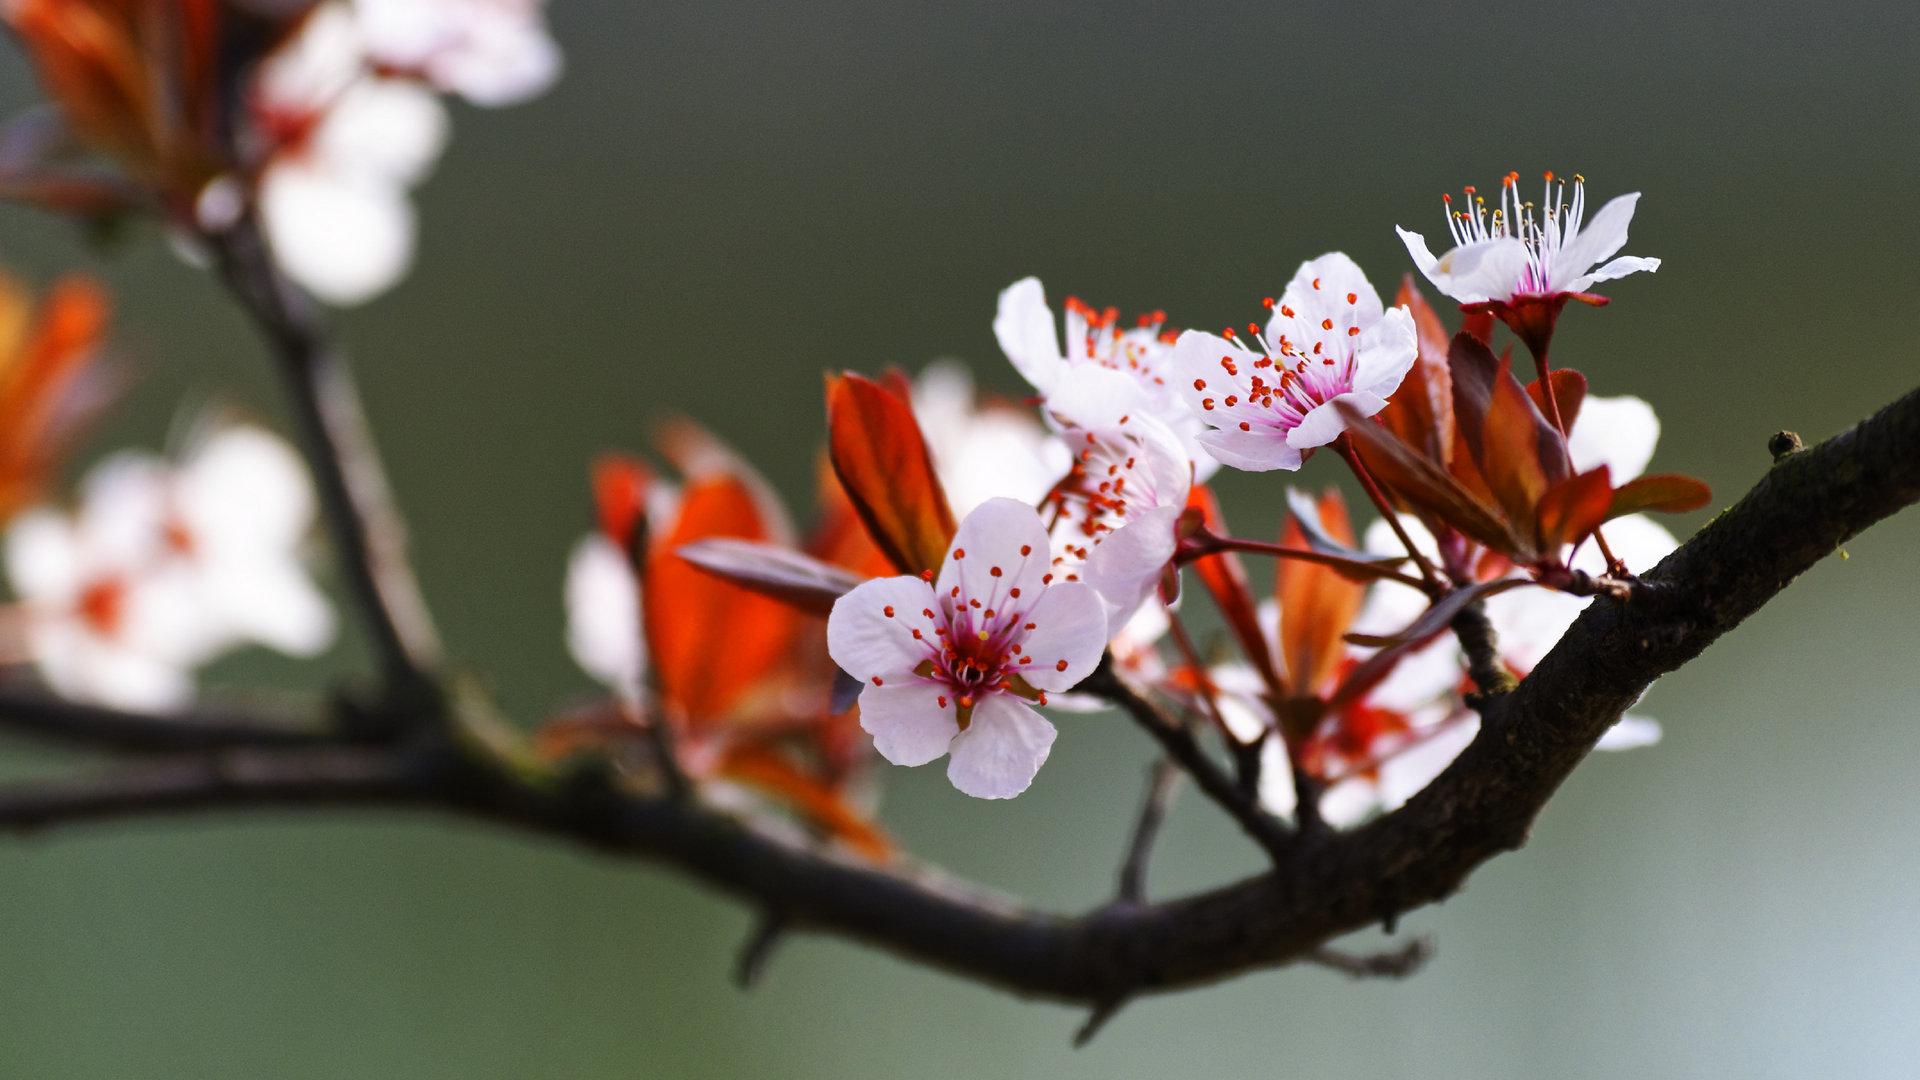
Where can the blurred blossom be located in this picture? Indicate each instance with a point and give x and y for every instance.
(347, 145)
(1329, 341)
(1115, 511)
(163, 567)
(491, 52)
(981, 447)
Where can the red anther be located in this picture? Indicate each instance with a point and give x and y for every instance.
(1061, 666)
(887, 611)
(878, 681)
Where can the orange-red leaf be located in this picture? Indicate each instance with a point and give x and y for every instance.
(620, 488)
(1572, 509)
(1317, 603)
(1570, 387)
(1430, 490)
(1226, 582)
(711, 642)
(883, 463)
(45, 365)
(1667, 493)
(1421, 412)
(1518, 451)
(813, 799)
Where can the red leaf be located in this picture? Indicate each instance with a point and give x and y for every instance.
(1225, 580)
(1572, 509)
(1666, 493)
(620, 486)
(1425, 485)
(883, 463)
(1436, 618)
(1516, 446)
(1421, 412)
(812, 798)
(786, 575)
(1570, 387)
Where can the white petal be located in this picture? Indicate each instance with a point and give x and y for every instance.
(1126, 565)
(1277, 792)
(1024, 327)
(1630, 732)
(388, 129)
(908, 724)
(1424, 259)
(1404, 774)
(1487, 270)
(866, 641)
(1070, 633)
(603, 615)
(273, 604)
(246, 488)
(1602, 235)
(1530, 622)
(1618, 432)
(1196, 357)
(43, 557)
(1097, 398)
(1323, 423)
(1003, 535)
(1320, 288)
(1637, 540)
(1349, 802)
(1386, 353)
(1251, 451)
(1621, 267)
(345, 238)
(1003, 747)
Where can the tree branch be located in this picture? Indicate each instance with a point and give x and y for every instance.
(36, 713)
(368, 537)
(1326, 885)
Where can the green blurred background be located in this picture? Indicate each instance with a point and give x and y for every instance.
(722, 199)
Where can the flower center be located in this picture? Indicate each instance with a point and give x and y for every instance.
(1140, 351)
(1545, 228)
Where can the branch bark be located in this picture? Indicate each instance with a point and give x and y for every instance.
(1327, 883)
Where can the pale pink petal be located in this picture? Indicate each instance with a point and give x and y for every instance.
(1621, 267)
(345, 238)
(1126, 565)
(1601, 236)
(1478, 272)
(1260, 450)
(1637, 540)
(1025, 329)
(999, 547)
(908, 723)
(1404, 774)
(1277, 792)
(1386, 353)
(1069, 634)
(870, 630)
(1630, 732)
(1196, 359)
(385, 129)
(1321, 287)
(1424, 260)
(43, 557)
(1323, 422)
(603, 615)
(1003, 747)
(1097, 398)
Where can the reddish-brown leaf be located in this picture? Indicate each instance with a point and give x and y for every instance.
(812, 798)
(1430, 624)
(1667, 493)
(1516, 446)
(1429, 489)
(1317, 603)
(1225, 580)
(884, 465)
(1421, 411)
(1570, 387)
(711, 642)
(1572, 509)
(799, 580)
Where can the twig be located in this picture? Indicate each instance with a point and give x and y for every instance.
(768, 932)
(34, 712)
(1097, 1020)
(1163, 783)
(1482, 647)
(1179, 744)
(1391, 964)
(368, 538)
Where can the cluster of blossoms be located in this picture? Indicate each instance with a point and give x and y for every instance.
(971, 560)
(320, 117)
(990, 557)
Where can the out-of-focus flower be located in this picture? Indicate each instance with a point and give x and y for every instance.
(164, 567)
(1106, 372)
(51, 383)
(1523, 261)
(1329, 344)
(736, 675)
(948, 666)
(983, 448)
(491, 52)
(344, 147)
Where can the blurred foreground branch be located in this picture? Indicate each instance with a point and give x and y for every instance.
(1323, 884)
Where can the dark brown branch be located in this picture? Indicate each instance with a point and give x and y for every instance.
(36, 713)
(1179, 744)
(1163, 783)
(367, 535)
(1390, 964)
(1327, 885)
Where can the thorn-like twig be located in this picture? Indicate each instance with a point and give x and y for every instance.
(1098, 1019)
(1163, 783)
(1389, 964)
(767, 934)
(1784, 444)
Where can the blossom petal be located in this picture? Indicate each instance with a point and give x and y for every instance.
(1024, 326)
(1252, 451)
(603, 614)
(1423, 257)
(1000, 547)
(345, 238)
(1621, 267)
(1126, 565)
(870, 631)
(1478, 272)
(1630, 732)
(1602, 235)
(1618, 432)
(1070, 633)
(1386, 353)
(1097, 398)
(42, 556)
(1003, 747)
(908, 723)
(1320, 287)
(1323, 422)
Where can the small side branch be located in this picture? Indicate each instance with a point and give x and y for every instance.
(1390, 964)
(1163, 783)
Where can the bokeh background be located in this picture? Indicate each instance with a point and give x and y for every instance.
(723, 199)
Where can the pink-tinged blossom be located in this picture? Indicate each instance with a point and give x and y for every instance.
(346, 145)
(1521, 251)
(162, 568)
(948, 667)
(1107, 370)
(1116, 511)
(983, 448)
(491, 52)
(1329, 341)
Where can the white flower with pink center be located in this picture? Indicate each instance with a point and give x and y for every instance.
(1114, 514)
(949, 666)
(491, 52)
(1521, 250)
(1329, 341)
